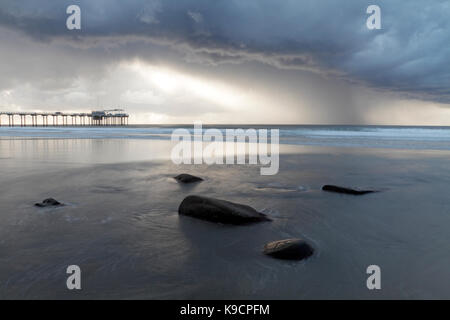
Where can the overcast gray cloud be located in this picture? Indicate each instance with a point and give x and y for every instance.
(317, 46)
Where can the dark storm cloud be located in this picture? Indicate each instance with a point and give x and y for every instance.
(410, 54)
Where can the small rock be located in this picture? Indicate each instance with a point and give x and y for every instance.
(50, 202)
(338, 189)
(289, 249)
(221, 211)
(187, 178)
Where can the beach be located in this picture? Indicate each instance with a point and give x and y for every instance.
(120, 222)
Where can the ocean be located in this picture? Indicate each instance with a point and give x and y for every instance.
(398, 137)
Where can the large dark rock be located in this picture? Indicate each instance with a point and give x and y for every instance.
(50, 202)
(221, 211)
(289, 249)
(338, 189)
(187, 178)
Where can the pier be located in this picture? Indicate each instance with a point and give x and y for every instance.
(115, 117)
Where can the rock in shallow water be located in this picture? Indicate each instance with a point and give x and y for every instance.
(221, 211)
(338, 189)
(187, 178)
(50, 202)
(289, 249)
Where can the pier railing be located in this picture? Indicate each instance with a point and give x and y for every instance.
(95, 118)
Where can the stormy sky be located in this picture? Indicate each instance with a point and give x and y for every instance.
(230, 61)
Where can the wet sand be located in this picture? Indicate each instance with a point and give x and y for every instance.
(121, 224)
